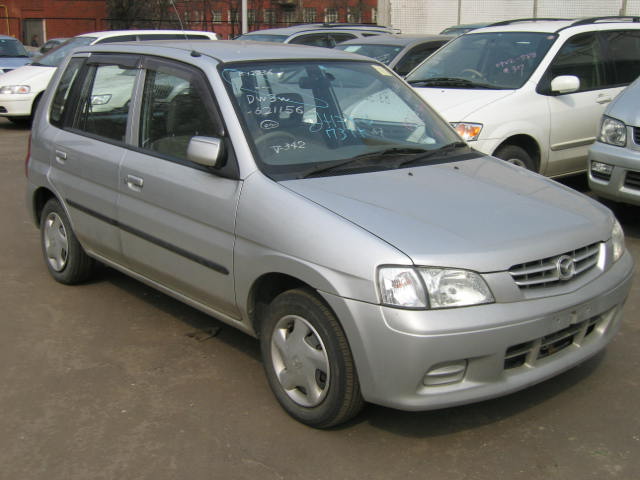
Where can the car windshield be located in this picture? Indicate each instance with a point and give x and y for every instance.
(312, 118)
(382, 53)
(12, 48)
(55, 56)
(499, 60)
(263, 37)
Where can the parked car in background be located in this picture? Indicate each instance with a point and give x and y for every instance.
(21, 89)
(316, 34)
(532, 93)
(614, 160)
(463, 28)
(51, 43)
(401, 53)
(309, 197)
(12, 54)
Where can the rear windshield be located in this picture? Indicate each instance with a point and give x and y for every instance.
(55, 56)
(261, 37)
(499, 60)
(382, 53)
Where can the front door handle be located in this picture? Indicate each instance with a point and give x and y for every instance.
(61, 156)
(134, 183)
(603, 99)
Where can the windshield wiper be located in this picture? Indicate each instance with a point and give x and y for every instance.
(442, 151)
(451, 82)
(361, 160)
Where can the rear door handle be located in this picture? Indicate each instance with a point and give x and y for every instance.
(134, 183)
(61, 156)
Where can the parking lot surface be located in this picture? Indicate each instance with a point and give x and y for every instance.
(113, 380)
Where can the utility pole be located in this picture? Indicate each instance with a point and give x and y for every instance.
(245, 18)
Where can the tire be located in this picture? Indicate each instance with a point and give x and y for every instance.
(66, 260)
(516, 155)
(308, 361)
(22, 121)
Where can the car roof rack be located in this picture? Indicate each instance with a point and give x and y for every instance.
(590, 20)
(519, 20)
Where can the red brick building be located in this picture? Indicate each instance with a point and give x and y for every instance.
(65, 18)
(51, 18)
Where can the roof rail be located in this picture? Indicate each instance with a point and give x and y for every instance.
(537, 19)
(347, 25)
(590, 20)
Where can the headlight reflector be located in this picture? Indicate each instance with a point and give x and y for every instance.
(20, 89)
(455, 288)
(617, 240)
(468, 131)
(613, 132)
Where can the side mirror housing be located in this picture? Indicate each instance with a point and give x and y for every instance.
(565, 84)
(205, 151)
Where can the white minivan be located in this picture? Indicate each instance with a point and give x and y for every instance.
(22, 88)
(532, 92)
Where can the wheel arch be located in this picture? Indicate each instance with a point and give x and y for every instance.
(38, 200)
(267, 287)
(527, 143)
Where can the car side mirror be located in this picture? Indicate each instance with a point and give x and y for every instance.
(565, 84)
(206, 151)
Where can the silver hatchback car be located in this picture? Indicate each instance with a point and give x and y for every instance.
(310, 198)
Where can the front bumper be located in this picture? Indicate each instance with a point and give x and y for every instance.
(16, 105)
(624, 183)
(504, 347)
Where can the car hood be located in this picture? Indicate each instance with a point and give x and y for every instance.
(26, 75)
(481, 214)
(625, 106)
(457, 104)
(7, 63)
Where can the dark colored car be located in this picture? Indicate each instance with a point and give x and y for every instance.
(400, 52)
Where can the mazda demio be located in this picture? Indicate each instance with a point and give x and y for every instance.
(312, 199)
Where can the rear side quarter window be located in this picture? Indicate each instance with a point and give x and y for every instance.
(61, 97)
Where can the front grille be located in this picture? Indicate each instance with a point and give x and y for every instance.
(632, 180)
(530, 352)
(636, 135)
(545, 272)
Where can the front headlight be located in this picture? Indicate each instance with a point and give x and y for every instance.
(613, 132)
(432, 287)
(468, 131)
(21, 89)
(617, 240)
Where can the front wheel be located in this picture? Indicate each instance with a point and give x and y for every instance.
(308, 361)
(515, 155)
(66, 260)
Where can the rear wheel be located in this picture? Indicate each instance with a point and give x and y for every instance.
(308, 361)
(515, 155)
(66, 260)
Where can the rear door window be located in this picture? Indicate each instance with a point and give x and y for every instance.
(105, 99)
(623, 52)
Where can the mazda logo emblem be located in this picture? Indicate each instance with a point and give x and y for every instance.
(565, 267)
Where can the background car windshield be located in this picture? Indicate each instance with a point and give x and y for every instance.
(55, 56)
(501, 60)
(381, 53)
(12, 48)
(263, 37)
(304, 114)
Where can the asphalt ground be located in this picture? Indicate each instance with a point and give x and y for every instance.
(113, 380)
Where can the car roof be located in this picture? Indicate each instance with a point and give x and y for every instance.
(225, 50)
(400, 40)
(113, 33)
(293, 29)
(8, 37)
